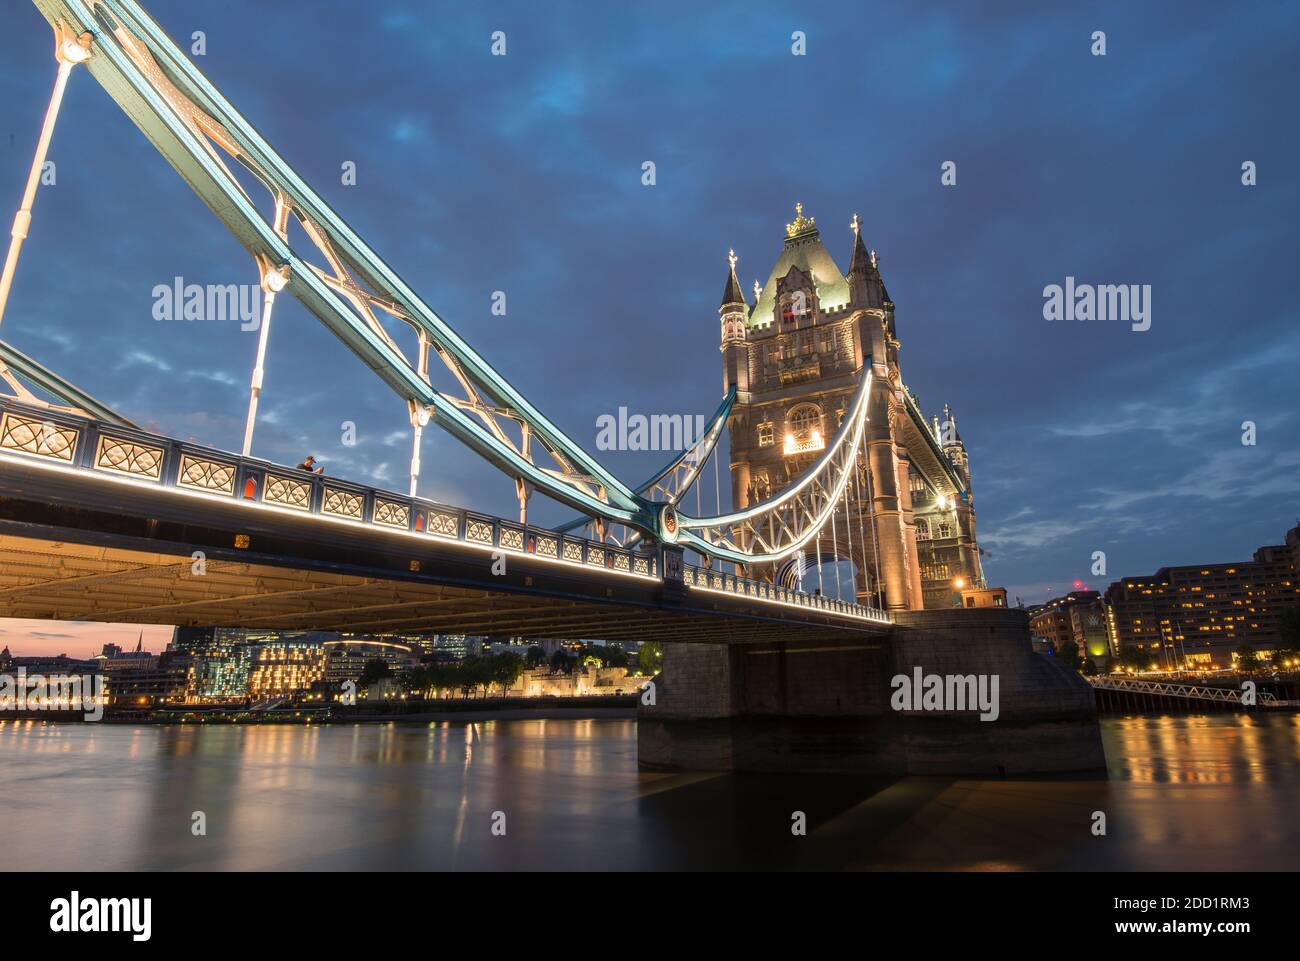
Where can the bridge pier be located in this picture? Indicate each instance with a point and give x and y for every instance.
(826, 707)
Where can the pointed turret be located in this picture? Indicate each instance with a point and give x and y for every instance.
(953, 445)
(734, 313)
(732, 294)
(950, 435)
(867, 288)
(859, 263)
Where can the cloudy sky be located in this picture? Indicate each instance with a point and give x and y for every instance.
(522, 173)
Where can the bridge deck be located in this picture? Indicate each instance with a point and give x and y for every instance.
(80, 540)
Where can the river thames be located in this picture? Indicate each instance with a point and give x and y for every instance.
(1184, 793)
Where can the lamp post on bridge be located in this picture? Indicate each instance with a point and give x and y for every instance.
(69, 50)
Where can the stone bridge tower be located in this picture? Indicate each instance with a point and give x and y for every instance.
(796, 356)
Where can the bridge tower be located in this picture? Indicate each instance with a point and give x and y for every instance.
(795, 356)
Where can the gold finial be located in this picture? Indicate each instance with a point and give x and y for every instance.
(856, 225)
(758, 290)
(802, 224)
(732, 258)
(874, 262)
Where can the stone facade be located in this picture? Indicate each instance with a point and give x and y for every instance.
(796, 355)
(583, 682)
(827, 707)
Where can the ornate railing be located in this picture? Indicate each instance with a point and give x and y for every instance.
(720, 582)
(124, 454)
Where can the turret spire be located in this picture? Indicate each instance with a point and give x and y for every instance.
(864, 276)
(732, 294)
(859, 262)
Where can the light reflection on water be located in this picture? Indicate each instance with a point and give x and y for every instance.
(1213, 792)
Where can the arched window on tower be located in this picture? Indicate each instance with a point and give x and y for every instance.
(945, 529)
(803, 429)
(922, 530)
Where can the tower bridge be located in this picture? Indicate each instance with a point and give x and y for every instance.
(795, 357)
(831, 458)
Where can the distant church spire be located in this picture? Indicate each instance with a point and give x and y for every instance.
(139, 645)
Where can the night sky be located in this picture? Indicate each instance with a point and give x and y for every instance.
(523, 173)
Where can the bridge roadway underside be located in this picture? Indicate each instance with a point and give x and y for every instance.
(129, 562)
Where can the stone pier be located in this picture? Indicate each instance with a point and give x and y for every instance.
(826, 707)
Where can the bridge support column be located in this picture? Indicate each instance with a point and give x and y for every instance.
(417, 431)
(420, 415)
(831, 707)
(273, 280)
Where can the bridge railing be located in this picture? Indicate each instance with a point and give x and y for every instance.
(121, 454)
(66, 441)
(1199, 692)
(709, 579)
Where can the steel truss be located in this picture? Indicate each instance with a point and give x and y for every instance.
(194, 126)
(666, 486)
(196, 129)
(1198, 692)
(17, 370)
(781, 525)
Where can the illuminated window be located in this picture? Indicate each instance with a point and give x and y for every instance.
(934, 572)
(766, 434)
(804, 420)
(803, 429)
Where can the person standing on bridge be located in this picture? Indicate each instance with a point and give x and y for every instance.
(309, 464)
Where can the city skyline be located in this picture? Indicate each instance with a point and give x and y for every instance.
(1082, 436)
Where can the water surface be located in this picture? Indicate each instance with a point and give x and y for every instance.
(1184, 793)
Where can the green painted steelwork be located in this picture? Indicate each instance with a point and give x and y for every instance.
(161, 91)
(58, 388)
(115, 70)
(700, 451)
